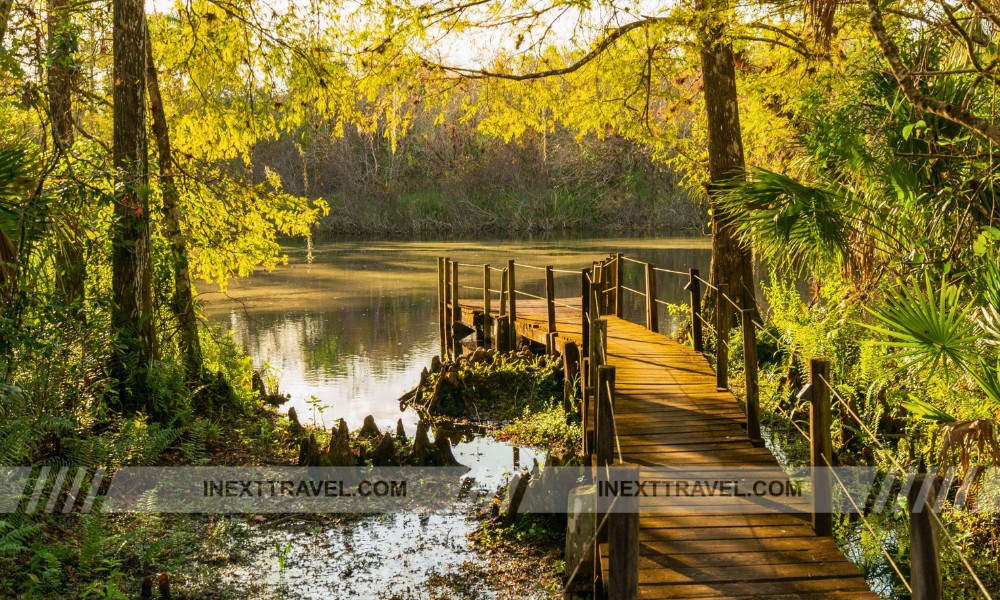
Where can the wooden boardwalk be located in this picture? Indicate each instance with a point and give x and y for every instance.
(669, 413)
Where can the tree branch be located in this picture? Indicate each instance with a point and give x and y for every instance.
(609, 39)
(908, 84)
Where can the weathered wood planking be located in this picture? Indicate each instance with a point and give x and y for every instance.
(669, 413)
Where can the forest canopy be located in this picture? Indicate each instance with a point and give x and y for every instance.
(149, 150)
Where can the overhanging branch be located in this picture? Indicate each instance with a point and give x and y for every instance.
(907, 83)
(609, 39)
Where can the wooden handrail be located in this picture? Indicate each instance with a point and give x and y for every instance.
(623, 540)
(618, 284)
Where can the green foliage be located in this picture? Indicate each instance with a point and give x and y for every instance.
(15, 533)
(504, 389)
(932, 326)
(790, 222)
(534, 530)
(551, 428)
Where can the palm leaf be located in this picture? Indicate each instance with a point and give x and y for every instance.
(932, 327)
(925, 410)
(788, 220)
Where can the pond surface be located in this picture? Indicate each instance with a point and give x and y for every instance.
(347, 335)
(355, 328)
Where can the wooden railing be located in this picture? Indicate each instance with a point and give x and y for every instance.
(602, 294)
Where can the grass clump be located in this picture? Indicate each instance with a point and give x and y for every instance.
(553, 428)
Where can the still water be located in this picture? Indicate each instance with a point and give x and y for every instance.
(354, 328)
(347, 335)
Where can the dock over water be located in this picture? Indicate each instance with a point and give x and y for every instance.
(651, 402)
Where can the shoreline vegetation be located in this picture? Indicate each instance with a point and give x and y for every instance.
(455, 179)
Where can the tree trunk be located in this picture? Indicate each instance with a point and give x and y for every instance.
(131, 316)
(182, 301)
(71, 267)
(732, 263)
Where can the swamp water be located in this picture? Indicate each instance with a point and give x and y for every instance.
(346, 336)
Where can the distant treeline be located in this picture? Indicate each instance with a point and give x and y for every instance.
(452, 178)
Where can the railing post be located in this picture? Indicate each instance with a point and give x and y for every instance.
(750, 371)
(605, 416)
(503, 334)
(618, 284)
(821, 450)
(721, 340)
(550, 301)
(598, 341)
(598, 287)
(447, 309)
(503, 293)
(925, 570)
(623, 538)
(487, 300)
(598, 330)
(694, 287)
(581, 527)
(512, 301)
(604, 434)
(585, 297)
(652, 318)
(585, 357)
(456, 310)
(442, 307)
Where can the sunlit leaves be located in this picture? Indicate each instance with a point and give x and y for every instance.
(925, 410)
(789, 221)
(930, 325)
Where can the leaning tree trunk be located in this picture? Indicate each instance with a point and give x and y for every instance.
(131, 316)
(732, 263)
(71, 267)
(182, 301)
